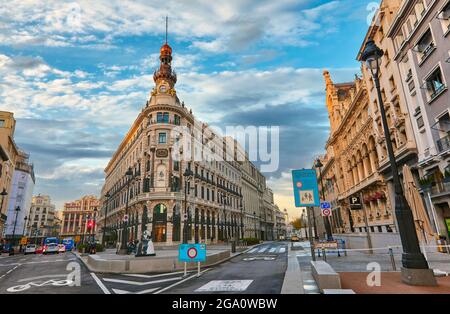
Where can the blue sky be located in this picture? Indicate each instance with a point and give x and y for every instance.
(76, 74)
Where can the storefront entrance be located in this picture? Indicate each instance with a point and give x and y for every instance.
(159, 233)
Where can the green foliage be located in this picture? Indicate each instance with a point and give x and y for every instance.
(426, 181)
(251, 241)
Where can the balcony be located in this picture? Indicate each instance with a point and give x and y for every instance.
(441, 188)
(443, 144)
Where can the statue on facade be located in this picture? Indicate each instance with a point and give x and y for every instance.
(145, 247)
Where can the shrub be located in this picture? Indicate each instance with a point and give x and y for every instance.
(251, 241)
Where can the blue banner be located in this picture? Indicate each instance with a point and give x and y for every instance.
(192, 253)
(306, 190)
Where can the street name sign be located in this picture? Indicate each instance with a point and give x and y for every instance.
(192, 253)
(306, 190)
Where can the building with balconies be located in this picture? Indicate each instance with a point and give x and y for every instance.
(421, 41)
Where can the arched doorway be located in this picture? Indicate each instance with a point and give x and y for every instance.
(176, 233)
(159, 223)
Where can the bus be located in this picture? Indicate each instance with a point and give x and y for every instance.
(47, 241)
(69, 243)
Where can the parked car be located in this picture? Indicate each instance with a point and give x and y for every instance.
(6, 248)
(51, 248)
(39, 250)
(295, 238)
(61, 248)
(30, 249)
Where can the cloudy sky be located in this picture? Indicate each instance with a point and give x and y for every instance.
(76, 74)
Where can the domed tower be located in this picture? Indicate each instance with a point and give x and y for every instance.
(165, 78)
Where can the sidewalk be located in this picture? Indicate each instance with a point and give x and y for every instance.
(166, 260)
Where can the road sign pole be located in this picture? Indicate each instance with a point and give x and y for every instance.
(185, 269)
(198, 269)
(369, 238)
(311, 242)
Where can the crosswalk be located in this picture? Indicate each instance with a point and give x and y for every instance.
(141, 283)
(268, 249)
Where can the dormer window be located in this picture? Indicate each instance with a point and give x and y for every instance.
(425, 46)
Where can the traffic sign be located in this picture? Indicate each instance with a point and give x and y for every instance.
(192, 253)
(125, 218)
(325, 205)
(306, 190)
(355, 202)
(24, 241)
(326, 212)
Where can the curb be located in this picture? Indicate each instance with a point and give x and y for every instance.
(80, 257)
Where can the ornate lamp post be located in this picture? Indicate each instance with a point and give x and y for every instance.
(123, 243)
(15, 223)
(415, 270)
(319, 165)
(187, 178)
(107, 196)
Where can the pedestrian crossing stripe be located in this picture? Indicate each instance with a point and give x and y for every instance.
(225, 286)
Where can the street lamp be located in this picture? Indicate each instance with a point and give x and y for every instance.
(415, 270)
(3, 194)
(107, 196)
(256, 232)
(15, 223)
(24, 225)
(319, 165)
(187, 178)
(123, 245)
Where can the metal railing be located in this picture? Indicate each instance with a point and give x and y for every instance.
(444, 144)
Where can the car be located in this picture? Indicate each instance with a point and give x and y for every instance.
(295, 238)
(6, 248)
(61, 248)
(50, 248)
(39, 249)
(30, 249)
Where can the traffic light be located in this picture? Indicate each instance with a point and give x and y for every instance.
(90, 224)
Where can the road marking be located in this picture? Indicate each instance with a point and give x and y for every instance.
(180, 282)
(100, 284)
(154, 276)
(253, 250)
(137, 283)
(272, 250)
(262, 250)
(119, 291)
(225, 286)
(51, 282)
(40, 277)
(282, 250)
(10, 271)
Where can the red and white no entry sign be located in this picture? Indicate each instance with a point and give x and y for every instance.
(326, 212)
(192, 252)
(299, 185)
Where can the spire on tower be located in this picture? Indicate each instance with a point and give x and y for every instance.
(167, 24)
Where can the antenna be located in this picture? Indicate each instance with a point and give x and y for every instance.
(167, 22)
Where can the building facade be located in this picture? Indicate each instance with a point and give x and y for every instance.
(186, 178)
(351, 165)
(78, 217)
(8, 154)
(40, 223)
(20, 197)
(420, 39)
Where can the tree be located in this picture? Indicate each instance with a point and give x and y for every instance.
(297, 224)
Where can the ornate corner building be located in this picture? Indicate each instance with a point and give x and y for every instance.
(174, 177)
(350, 166)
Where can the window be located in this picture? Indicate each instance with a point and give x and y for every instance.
(177, 120)
(444, 16)
(162, 138)
(166, 117)
(420, 123)
(159, 117)
(425, 46)
(2, 123)
(435, 84)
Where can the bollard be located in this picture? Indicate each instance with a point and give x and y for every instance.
(344, 247)
(324, 253)
(391, 253)
(233, 247)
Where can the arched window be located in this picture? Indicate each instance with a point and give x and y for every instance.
(159, 223)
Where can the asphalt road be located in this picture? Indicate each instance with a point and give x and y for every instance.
(45, 274)
(260, 271)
